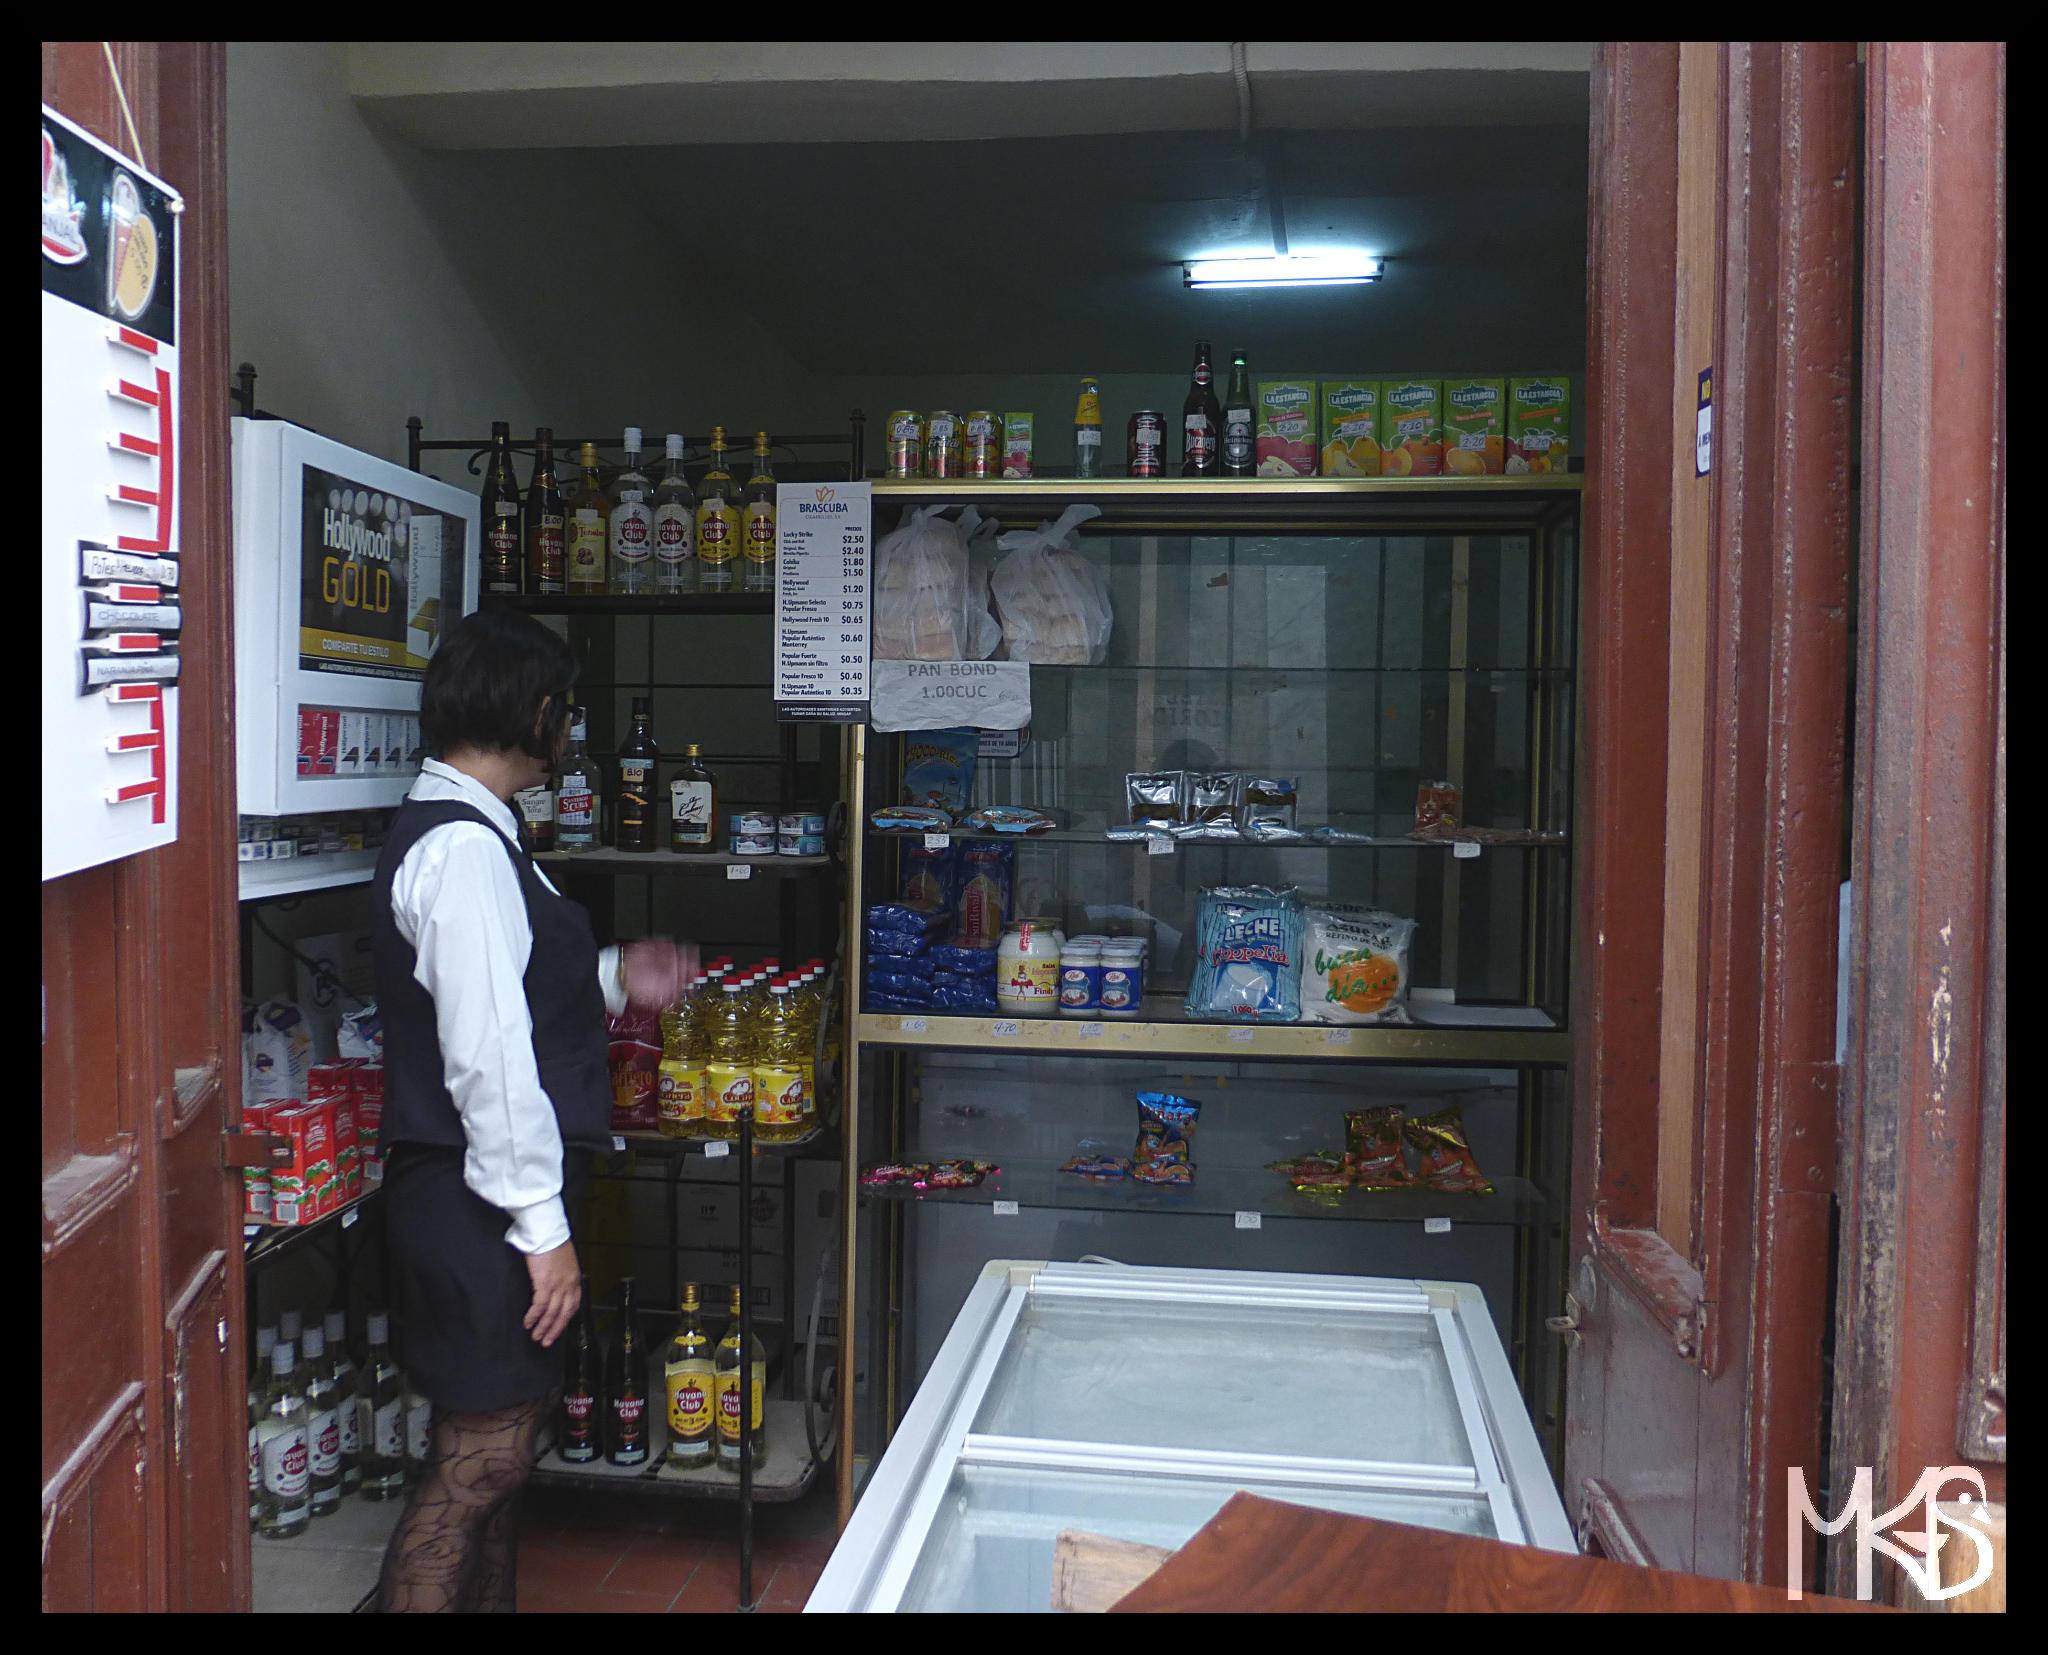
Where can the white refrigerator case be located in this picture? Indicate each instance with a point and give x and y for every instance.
(1132, 1402)
(348, 569)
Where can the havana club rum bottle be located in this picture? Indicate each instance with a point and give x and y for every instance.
(688, 1377)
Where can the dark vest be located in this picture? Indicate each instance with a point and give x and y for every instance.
(562, 995)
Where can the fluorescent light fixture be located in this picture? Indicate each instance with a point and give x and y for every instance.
(1299, 270)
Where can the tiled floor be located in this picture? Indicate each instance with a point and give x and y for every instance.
(583, 1551)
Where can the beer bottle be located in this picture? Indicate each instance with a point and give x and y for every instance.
(589, 513)
(627, 1388)
(577, 1440)
(545, 521)
(502, 550)
(1201, 421)
(731, 1393)
(688, 1377)
(1240, 452)
(637, 809)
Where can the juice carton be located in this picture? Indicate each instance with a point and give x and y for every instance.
(1539, 424)
(1474, 421)
(1411, 427)
(256, 1180)
(295, 1185)
(1016, 445)
(1286, 429)
(1351, 435)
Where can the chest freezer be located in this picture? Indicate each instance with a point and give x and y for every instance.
(348, 570)
(1133, 1402)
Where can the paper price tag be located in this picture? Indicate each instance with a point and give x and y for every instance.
(1436, 1226)
(618, 1142)
(717, 1150)
(1003, 1030)
(937, 841)
(1337, 1037)
(1463, 849)
(1159, 847)
(349, 1217)
(1240, 1037)
(251, 1231)
(912, 1025)
(1091, 1031)
(1247, 1221)
(738, 870)
(1006, 1209)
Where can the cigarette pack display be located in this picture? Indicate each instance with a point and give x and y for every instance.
(349, 756)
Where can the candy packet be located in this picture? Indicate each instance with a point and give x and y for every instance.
(1093, 1159)
(1372, 1149)
(889, 1173)
(1319, 1169)
(1165, 1152)
(938, 770)
(954, 1175)
(1447, 1159)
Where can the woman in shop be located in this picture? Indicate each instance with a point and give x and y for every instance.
(493, 993)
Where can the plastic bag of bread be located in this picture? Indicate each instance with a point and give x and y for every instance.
(985, 632)
(924, 598)
(1053, 602)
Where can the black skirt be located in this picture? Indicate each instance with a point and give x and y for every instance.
(463, 1290)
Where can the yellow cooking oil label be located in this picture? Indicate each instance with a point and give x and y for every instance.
(689, 1400)
(728, 1091)
(676, 1091)
(718, 532)
(779, 1095)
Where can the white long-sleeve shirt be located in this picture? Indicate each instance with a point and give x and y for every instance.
(457, 902)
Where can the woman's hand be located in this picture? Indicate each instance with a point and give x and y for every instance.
(557, 1292)
(657, 970)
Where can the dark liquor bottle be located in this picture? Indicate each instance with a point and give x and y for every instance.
(503, 544)
(578, 1442)
(546, 558)
(1240, 451)
(693, 806)
(627, 1387)
(1201, 421)
(638, 812)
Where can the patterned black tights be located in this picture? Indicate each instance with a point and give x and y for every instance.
(453, 1548)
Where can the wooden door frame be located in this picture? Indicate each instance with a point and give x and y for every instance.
(1732, 1314)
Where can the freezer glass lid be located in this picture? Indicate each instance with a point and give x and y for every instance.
(1358, 1385)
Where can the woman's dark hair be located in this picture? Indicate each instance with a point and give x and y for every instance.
(485, 685)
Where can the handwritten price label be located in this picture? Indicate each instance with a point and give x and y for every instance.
(1159, 847)
(1006, 1209)
(1436, 1226)
(1240, 1037)
(1004, 1030)
(937, 841)
(349, 1217)
(912, 1025)
(1247, 1221)
(1463, 849)
(738, 870)
(1337, 1037)
(1091, 1031)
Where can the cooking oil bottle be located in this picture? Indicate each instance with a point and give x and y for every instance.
(729, 1064)
(678, 1092)
(782, 1072)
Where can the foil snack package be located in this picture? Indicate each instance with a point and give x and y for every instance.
(1266, 810)
(1158, 798)
(1165, 1152)
(1212, 805)
(1447, 1159)
(1249, 969)
(1372, 1149)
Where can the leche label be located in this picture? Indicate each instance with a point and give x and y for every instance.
(823, 532)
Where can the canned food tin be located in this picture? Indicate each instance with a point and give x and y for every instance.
(800, 844)
(809, 823)
(753, 823)
(753, 844)
(943, 440)
(906, 442)
(982, 450)
(1147, 443)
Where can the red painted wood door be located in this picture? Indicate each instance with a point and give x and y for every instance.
(1724, 181)
(143, 1430)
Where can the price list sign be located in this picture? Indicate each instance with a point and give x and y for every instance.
(822, 533)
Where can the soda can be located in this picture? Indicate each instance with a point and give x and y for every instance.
(943, 440)
(982, 454)
(906, 442)
(1147, 443)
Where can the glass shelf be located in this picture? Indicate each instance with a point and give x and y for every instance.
(609, 861)
(1225, 1192)
(694, 1143)
(1471, 1035)
(607, 603)
(1096, 836)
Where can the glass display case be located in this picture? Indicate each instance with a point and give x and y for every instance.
(1355, 640)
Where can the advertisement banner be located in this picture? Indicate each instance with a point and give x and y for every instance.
(380, 576)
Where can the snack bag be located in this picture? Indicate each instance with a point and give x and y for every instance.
(924, 599)
(984, 894)
(1092, 1159)
(1447, 1159)
(1354, 966)
(1265, 809)
(634, 1040)
(1158, 799)
(954, 1175)
(1165, 1152)
(280, 1050)
(1053, 602)
(1320, 1169)
(1372, 1149)
(1249, 939)
(361, 1034)
(938, 769)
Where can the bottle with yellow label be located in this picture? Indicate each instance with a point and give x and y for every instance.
(679, 1105)
(758, 548)
(728, 1064)
(690, 1379)
(718, 521)
(782, 1072)
(589, 516)
(726, 1378)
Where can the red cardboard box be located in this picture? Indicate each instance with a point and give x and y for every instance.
(309, 739)
(256, 1117)
(297, 1185)
(367, 1089)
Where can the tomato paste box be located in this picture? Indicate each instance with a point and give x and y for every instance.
(296, 1184)
(334, 1085)
(256, 1180)
(1474, 434)
(1411, 427)
(1286, 429)
(367, 1088)
(1539, 424)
